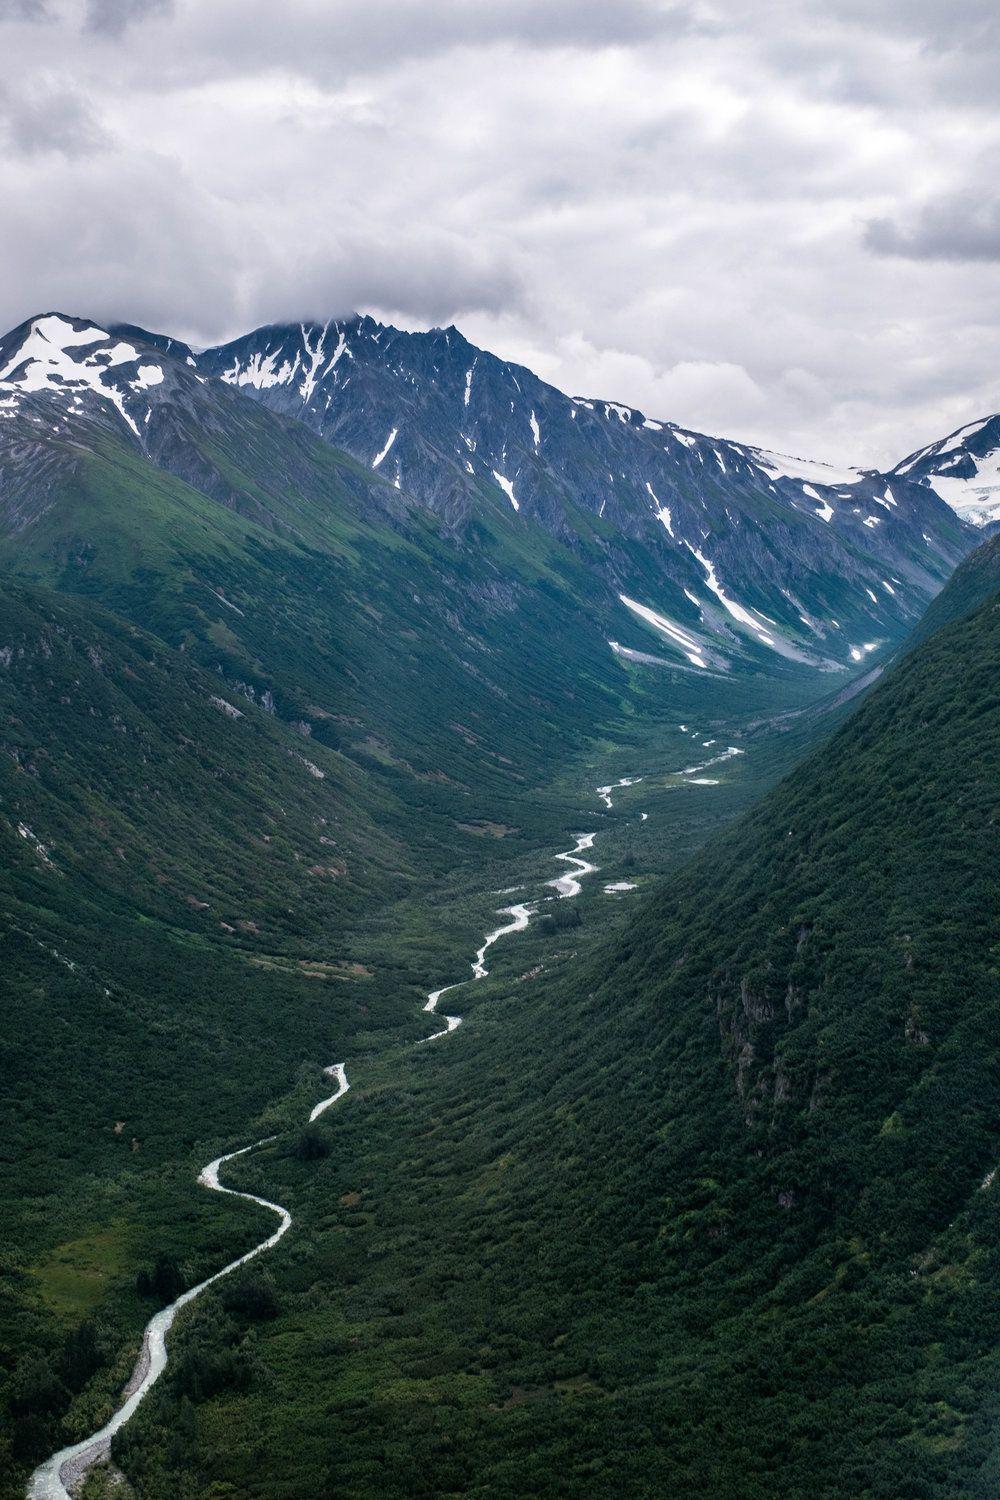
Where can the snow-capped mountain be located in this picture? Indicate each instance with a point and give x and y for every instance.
(963, 469)
(809, 561)
(70, 386)
(56, 356)
(704, 553)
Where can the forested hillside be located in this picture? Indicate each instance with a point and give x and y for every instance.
(710, 1213)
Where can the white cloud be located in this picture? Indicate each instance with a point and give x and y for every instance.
(769, 224)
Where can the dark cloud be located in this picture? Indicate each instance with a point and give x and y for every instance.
(427, 275)
(113, 17)
(959, 227)
(46, 114)
(24, 10)
(324, 40)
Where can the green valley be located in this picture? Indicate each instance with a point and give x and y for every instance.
(281, 744)
(709, 1203)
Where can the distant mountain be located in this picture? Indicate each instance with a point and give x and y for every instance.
(749, 548)
(963, 469)
(68, 387)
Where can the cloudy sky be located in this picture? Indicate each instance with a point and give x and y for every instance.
(777, 222)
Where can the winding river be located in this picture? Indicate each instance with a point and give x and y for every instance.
(53, 1479)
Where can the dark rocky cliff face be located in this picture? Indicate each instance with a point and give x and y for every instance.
(822, 554)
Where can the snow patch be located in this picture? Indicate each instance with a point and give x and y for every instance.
(976, 499)
(262, 371)
(735, 609)
(52, 358)
(337, 354)
(507, 488)
(784, 466)
(315, 355)
(662, 511)
(388, 444)
(691, 647)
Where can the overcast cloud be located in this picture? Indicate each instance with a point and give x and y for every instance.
(779, 223)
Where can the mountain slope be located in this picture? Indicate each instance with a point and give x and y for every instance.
(715, 1215)
(972, 582)
(726, 556)
(308, 585)
(177, 877)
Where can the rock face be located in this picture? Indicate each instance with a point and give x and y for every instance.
(68, 386)
(807, 560)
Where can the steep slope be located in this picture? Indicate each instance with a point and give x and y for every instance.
(442, 668)
(972, 582)
(68, 388)
(307, 584)
(963, 469)
(125, 767)
(715, 1214)
(796, 558)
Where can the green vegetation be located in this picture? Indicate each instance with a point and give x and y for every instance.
(248, 755)
(272, 743)
(708, 1211)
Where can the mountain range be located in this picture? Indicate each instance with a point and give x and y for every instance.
(721, 554)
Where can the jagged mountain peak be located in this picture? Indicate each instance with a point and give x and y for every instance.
(963, 469)
(175, 348)
(72, 358)
(816, 562)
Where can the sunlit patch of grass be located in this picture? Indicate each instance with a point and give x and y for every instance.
(76, 1275)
